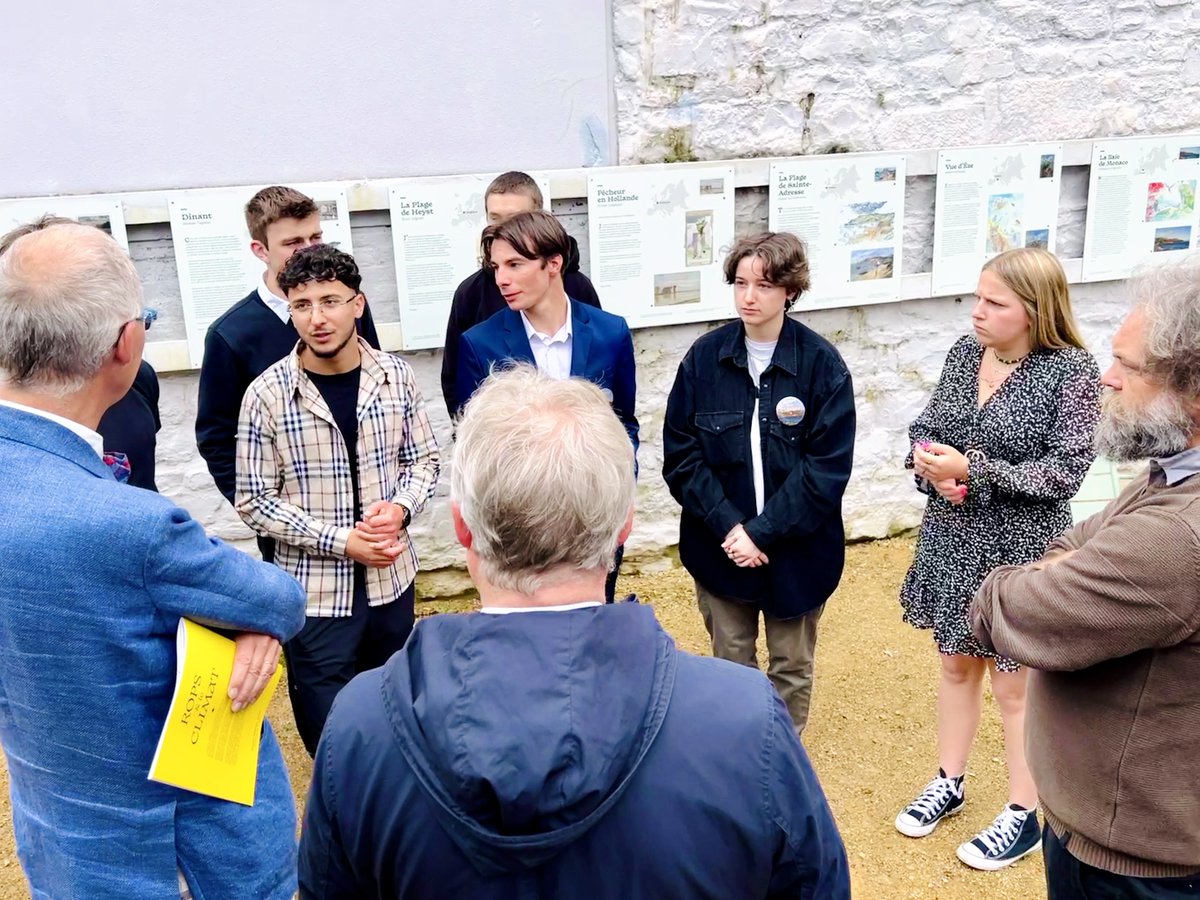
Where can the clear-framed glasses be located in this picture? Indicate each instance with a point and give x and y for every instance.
(326, 304)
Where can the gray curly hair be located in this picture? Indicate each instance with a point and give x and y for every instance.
(1168, 295)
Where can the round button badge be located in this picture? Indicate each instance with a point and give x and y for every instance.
(790, 410)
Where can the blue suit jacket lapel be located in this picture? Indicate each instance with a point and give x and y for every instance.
(516, 343)
(581, 339)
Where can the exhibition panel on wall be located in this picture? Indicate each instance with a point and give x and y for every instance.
(106, 212)
(988, 200)
(657, 234)
(849, 210)
(436, 225)
(1141, 201)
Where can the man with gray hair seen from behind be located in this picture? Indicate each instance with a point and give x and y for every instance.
(1108, 620)
(130, 425)
(94, 578)
(551, 745)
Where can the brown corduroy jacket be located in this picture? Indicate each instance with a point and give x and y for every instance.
(1109, 623)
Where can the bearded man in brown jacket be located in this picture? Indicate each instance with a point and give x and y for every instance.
(1109, 622)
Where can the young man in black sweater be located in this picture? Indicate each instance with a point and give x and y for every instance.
(256, 332)
(478, 298)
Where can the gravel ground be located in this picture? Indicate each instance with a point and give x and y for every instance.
(870, 735)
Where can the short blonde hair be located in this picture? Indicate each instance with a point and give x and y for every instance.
(1037, 278)
(543, 477)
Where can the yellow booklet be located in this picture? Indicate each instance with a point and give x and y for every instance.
(205, 746)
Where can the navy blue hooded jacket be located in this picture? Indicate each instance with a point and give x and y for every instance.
(564, 754)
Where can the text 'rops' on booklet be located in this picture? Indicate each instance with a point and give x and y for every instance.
(205, 746)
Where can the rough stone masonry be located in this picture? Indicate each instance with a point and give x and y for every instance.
(721, 79)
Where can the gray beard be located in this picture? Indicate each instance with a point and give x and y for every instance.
(1161, 428)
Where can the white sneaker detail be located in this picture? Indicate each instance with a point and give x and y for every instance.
(921, 816)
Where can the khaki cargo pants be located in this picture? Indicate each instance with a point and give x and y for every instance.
(733, 628)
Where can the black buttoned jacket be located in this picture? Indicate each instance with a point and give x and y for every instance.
(707, 465)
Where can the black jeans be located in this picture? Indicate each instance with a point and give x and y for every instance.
(1069, 879)
(328, 652)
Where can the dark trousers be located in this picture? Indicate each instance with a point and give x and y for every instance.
(329, 651)
(1069, 879)
(610, 583)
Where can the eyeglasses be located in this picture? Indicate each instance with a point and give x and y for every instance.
(327, 305)
(146, 317)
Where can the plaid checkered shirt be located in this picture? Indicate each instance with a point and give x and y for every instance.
(293, 473)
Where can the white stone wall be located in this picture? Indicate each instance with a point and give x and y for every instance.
(719, 79)
(728, 78)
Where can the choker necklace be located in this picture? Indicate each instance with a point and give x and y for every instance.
(1007, 362)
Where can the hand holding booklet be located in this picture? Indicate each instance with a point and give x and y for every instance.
(205, 746)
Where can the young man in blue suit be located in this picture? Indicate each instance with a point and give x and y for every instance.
(478, 298)
(94, 578)
(542, 325)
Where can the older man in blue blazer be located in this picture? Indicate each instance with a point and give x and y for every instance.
(94, 577)
(543, 326)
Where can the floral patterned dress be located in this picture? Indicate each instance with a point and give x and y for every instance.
(1034, 435)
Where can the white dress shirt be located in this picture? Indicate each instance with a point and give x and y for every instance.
(552, 353)
(566, 607)
(275, 303)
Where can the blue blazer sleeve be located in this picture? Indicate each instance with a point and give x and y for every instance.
(625, 387)
(472, 370)
(192, 575)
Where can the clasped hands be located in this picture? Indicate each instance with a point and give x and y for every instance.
(380, 537)
(376, 541)
(739, 547)
(943, 467)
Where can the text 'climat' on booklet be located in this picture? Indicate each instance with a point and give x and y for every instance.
(205, 746)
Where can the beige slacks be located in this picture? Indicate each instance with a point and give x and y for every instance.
(733, 628)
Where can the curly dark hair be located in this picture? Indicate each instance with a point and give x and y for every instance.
(320, 262)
